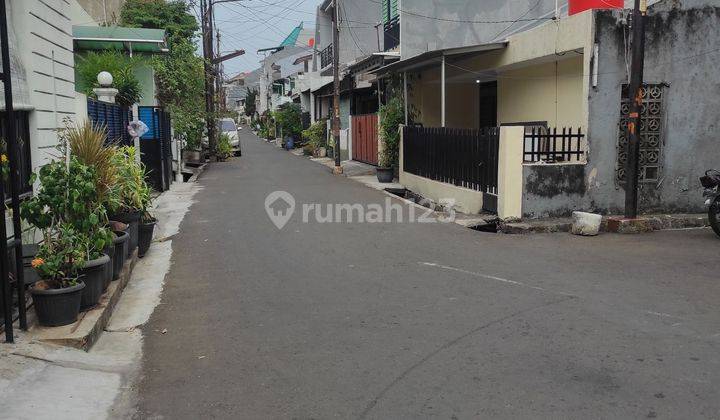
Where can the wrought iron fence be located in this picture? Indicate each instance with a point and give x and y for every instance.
(155, 146)
(391, 32)
(548, 145)
(462, 157)
(114, 117)
(326, 56)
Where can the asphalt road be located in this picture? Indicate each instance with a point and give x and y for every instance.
(408, 320)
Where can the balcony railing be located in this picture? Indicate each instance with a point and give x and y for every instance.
(326, 56)
(392, 33)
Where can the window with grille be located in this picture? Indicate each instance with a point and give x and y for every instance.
(651, 133)
(22, 130)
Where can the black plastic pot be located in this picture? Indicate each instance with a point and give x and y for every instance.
(56, 307)
(145, 237)
(385, 175)
(109, 267)
(133, 221)
(93, 275)
(121, 252)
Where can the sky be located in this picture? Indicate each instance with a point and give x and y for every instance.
(256, 24)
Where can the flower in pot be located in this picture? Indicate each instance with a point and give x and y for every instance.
(133, 193)
(57, 296)
(68, 197)
(391, 116)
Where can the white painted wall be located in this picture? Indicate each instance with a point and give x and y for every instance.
(43, 30)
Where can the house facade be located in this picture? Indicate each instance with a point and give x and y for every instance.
(563, 80)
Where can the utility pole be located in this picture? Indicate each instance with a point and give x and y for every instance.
(635, 90)
(207, 31)
(336, 87)
(218, 74)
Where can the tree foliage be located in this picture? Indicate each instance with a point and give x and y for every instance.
(180, 73)
(119, 65)
(250, 98)
(289, 118)
(172, 16)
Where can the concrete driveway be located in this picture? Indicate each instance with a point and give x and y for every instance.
(408, 320)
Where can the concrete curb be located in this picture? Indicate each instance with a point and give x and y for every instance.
(197, 172)
(87, 329)
(610, 224)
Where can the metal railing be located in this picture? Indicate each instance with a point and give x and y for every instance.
(391, 31)
(463, 157)
(326, 56)
(548, 145)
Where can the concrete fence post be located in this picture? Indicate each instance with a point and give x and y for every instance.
(401, 163)
(510, 172)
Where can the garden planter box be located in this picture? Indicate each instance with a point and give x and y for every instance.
(385, 175)
(132, 219)
(121, 252)
(93, 275)
(145, 237)
(192, 155)
(56, 307)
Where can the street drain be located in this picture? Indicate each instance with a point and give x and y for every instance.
(400, 192)
(491, 227)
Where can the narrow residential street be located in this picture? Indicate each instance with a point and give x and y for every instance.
(410, 320)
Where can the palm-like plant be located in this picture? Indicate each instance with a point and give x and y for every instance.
(87, 143)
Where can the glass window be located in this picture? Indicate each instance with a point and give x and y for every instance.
(227, 125)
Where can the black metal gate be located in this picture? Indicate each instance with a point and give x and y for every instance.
(463, 157)
(156, 147)
(113, 117)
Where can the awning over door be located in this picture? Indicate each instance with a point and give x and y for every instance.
(435, 57)
(119, 38)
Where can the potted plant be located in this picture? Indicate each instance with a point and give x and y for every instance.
(147, 228)
(57, 296)
(132, 191)
(68, 196)
(121, 244)
(391, 116)
(87, 143)
(315, 136)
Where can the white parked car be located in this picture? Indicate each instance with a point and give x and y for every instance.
(228, 126)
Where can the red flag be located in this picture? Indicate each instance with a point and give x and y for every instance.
(577, 6)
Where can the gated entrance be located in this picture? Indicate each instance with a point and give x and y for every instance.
(365, 138)
(113, 117)
(462, 157)
(156, 147)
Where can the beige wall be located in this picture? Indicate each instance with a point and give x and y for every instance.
(536, 64)
(461, 99)
(551, 92)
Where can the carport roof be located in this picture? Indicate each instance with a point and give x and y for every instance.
(120, 38)
(432, 57)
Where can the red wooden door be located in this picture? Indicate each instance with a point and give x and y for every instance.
(365, 138)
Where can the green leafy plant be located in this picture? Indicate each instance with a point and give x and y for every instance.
(68, 199)
(87, 143)
(224, 148)
(132, 190)
(250, 97)
(288, 118)
(179, 74)
(315, 134)
(391, 116)
(60, 256)
(119, 65)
